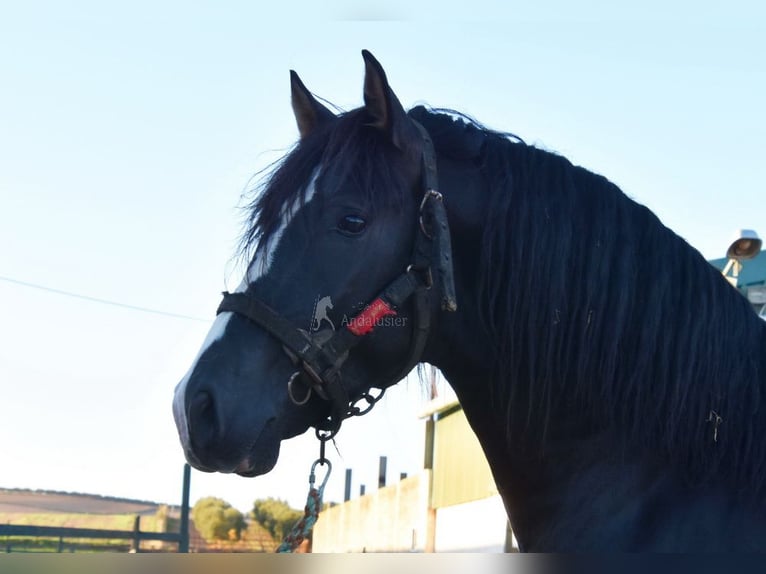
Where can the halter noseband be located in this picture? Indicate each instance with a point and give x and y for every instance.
(321, 355)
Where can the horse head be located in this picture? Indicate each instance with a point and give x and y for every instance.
(337, 219)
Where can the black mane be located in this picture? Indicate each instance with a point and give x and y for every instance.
(598, 308)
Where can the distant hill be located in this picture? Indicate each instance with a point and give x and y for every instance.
(47, 501)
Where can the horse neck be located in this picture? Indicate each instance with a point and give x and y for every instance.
(458, 343)
(465, 351)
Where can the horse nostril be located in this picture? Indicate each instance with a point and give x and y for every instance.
(204, 423)
(201, 402)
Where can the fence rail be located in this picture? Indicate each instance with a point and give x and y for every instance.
(136, 535)
(67, 532)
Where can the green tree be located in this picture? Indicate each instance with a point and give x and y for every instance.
(217, 520)
(276, 516)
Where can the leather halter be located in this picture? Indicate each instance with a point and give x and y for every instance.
(321, 355)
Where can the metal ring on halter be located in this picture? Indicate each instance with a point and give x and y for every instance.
(312, 476)
(295, 401)
(431, 193)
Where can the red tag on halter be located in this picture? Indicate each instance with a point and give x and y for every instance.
(367, 320)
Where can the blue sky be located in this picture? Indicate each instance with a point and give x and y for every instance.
(128, 134)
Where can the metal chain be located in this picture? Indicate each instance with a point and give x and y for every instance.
(355, 411)
(352, 411)
(303, 528)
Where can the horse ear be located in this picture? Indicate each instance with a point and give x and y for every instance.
(309, 113)
(382, 105)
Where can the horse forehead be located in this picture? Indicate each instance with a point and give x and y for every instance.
(264, 256)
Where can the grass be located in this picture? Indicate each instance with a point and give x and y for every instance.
(77, 520)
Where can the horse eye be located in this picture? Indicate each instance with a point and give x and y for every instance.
(351, 224)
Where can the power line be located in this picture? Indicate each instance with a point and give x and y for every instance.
(102, 301)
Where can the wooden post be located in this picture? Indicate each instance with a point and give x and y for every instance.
(61, 545)
(382, 472)
(136, 534)
(509, 547)
(428, 459)
(183, 544)
(431, 531)
(347, 489)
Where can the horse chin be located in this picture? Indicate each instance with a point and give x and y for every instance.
(258, 464)
(262, 456)
(265, 453)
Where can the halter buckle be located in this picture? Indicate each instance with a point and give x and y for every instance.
(429, 278)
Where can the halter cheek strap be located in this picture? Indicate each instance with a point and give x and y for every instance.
(321, 355)
(433, 216)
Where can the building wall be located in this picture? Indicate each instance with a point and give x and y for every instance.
(455, 507)
(476, 526)
(392, 519)
(470, 515)
(461, 471)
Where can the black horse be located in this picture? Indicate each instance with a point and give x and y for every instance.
(614, 378)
